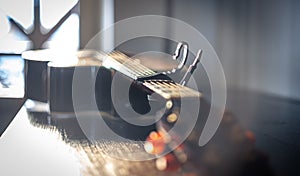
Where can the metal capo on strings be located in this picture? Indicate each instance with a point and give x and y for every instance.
(191, 68)
(182, 47)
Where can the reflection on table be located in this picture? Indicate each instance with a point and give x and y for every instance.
(38, 143)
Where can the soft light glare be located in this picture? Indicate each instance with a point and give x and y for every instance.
(5, 26)
(35, 151)
(149, 148)
(67, 36)
(109, 167)
(63, 58)
(161, 163)
(19, 10)
(153, 135)
(10, 43)
(53, 10)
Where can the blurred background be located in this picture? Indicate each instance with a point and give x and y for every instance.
(257, 41)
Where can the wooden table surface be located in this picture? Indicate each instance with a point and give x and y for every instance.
(38, 144)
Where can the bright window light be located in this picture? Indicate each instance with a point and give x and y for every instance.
(53, 10)
(19, 10)
(5, 26)
(67, 36)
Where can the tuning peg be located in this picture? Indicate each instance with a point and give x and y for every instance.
(182, 47)
(191, 68)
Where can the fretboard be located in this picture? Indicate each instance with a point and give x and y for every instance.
(169, 89)
(126, 65)
(132, 68)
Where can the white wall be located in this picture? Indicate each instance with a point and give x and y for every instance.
(258, 41)
(130, 8)
(95, 16)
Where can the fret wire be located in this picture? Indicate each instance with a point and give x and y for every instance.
(165, 88)
(135, 67)
(162, 87)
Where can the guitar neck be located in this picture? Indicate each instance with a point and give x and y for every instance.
(168, 89)
(127, 66)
